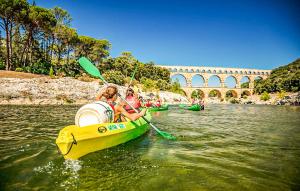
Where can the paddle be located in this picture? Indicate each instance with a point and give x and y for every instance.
(93, 70)
(132, 76)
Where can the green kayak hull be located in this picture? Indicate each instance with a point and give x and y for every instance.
(162, 108)
(194, 107)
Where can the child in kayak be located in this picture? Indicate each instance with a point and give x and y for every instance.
(110, 93)
(133, 100)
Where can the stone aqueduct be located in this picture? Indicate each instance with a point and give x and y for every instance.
(188, 72)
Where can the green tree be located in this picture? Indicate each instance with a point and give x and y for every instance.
(11, 12)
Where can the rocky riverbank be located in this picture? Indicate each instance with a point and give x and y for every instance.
(29, 89)
(47, 91)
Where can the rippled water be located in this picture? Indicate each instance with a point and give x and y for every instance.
(225, 147)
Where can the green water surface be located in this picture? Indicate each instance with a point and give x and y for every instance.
(225, 147)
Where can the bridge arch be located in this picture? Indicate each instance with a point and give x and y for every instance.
(214, 81)
(197, 93)
(230, 82)
(214, 93)
(245, 94)
(231, 93)
(180, 78)
(198, 81)
(245, 81)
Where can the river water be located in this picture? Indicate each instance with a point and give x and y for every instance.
(225, 147)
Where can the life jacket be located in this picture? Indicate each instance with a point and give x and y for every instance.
(148, 104)
(117, 117)
(158, 103)
(134, 102)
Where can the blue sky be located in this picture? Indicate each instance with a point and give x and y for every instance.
(225, 33)
(262, 34)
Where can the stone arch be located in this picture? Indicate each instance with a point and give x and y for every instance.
(203, 71)
(262, 73)
(245, 81)
(214, 71)
(175, 70)
(258, 73)
(230, 82)
(197, 70)
(213, 81)
(231, 93)
(214, 93)
(245, 72)
(208, 71)
(186, 70)
(192, 70)
(236, 72)
(197, 93)
(225, 72)
(198, 82)
(180, 70)
(241, 72)
(245, 94)
(220, 72)
(181, 79)
(258, 78)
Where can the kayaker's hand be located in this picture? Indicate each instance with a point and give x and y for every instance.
(143, 112)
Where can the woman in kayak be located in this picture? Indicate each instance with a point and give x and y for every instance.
(110, 93)
(133, 100)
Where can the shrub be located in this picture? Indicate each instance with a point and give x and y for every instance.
(281, 94)
(40, 68)
(51, 72)
(2, 65)
(19, 70)
(265, 96)
(234, 101)
(115, 77)
(244, 96)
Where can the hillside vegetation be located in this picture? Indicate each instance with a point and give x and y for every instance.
(285, 78)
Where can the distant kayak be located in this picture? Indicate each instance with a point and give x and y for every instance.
(194, 107)
(161, 108)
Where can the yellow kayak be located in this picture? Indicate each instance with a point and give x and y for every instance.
(74, 141)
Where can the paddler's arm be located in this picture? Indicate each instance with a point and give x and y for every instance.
(131, 116)
(100, 95)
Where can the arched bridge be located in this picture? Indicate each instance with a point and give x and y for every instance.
(189, 72)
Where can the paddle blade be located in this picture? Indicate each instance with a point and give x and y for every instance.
(166, 135)
(89, 67)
